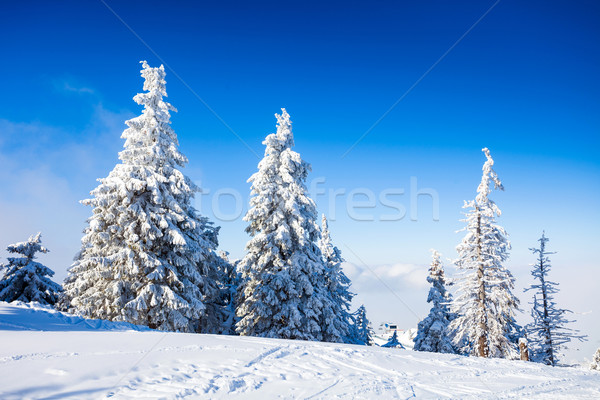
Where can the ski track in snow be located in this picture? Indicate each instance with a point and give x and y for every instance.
(133, 364)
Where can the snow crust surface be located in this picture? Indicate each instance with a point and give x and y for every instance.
(47, 354)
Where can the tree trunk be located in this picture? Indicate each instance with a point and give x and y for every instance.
(482, 341)
(524, 350)
(548, 334)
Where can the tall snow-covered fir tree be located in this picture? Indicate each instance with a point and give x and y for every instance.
(485, 305)
(25, 279)
(336, 318)
(361, 330)
(433, 334)
(595, 364)
(147, 256)
(282, 292)
(548, 333)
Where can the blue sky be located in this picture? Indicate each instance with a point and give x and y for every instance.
(522, 82)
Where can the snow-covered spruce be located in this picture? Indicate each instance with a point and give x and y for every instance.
(484, 305)
(336, 318)
(595, 365)
(547, 334)
(282, 292)
(147, 256)
(361, 331)
(433, 333)
(227, 299)
(393, 342)
(25, 279)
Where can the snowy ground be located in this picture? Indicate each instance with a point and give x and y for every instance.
(48, 355)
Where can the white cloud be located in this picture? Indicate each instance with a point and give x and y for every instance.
(45, 171)
(396, 277)
(68, 86)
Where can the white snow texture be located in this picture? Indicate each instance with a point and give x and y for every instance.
(57, 356)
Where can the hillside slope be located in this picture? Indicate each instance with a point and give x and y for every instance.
(45, 354)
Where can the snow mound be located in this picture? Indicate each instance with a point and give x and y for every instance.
(19, 316)
(115, 361)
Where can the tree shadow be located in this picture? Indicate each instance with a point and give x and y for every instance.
(18, 316)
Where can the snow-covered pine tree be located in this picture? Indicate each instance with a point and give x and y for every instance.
(336, 318)
(433, 334)
(547, 334)
(362, 332)
(595, 365)
(282, 292)
(25, 279)
(227, 300)
(393, 342)
(147, 256)
(485, 305)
